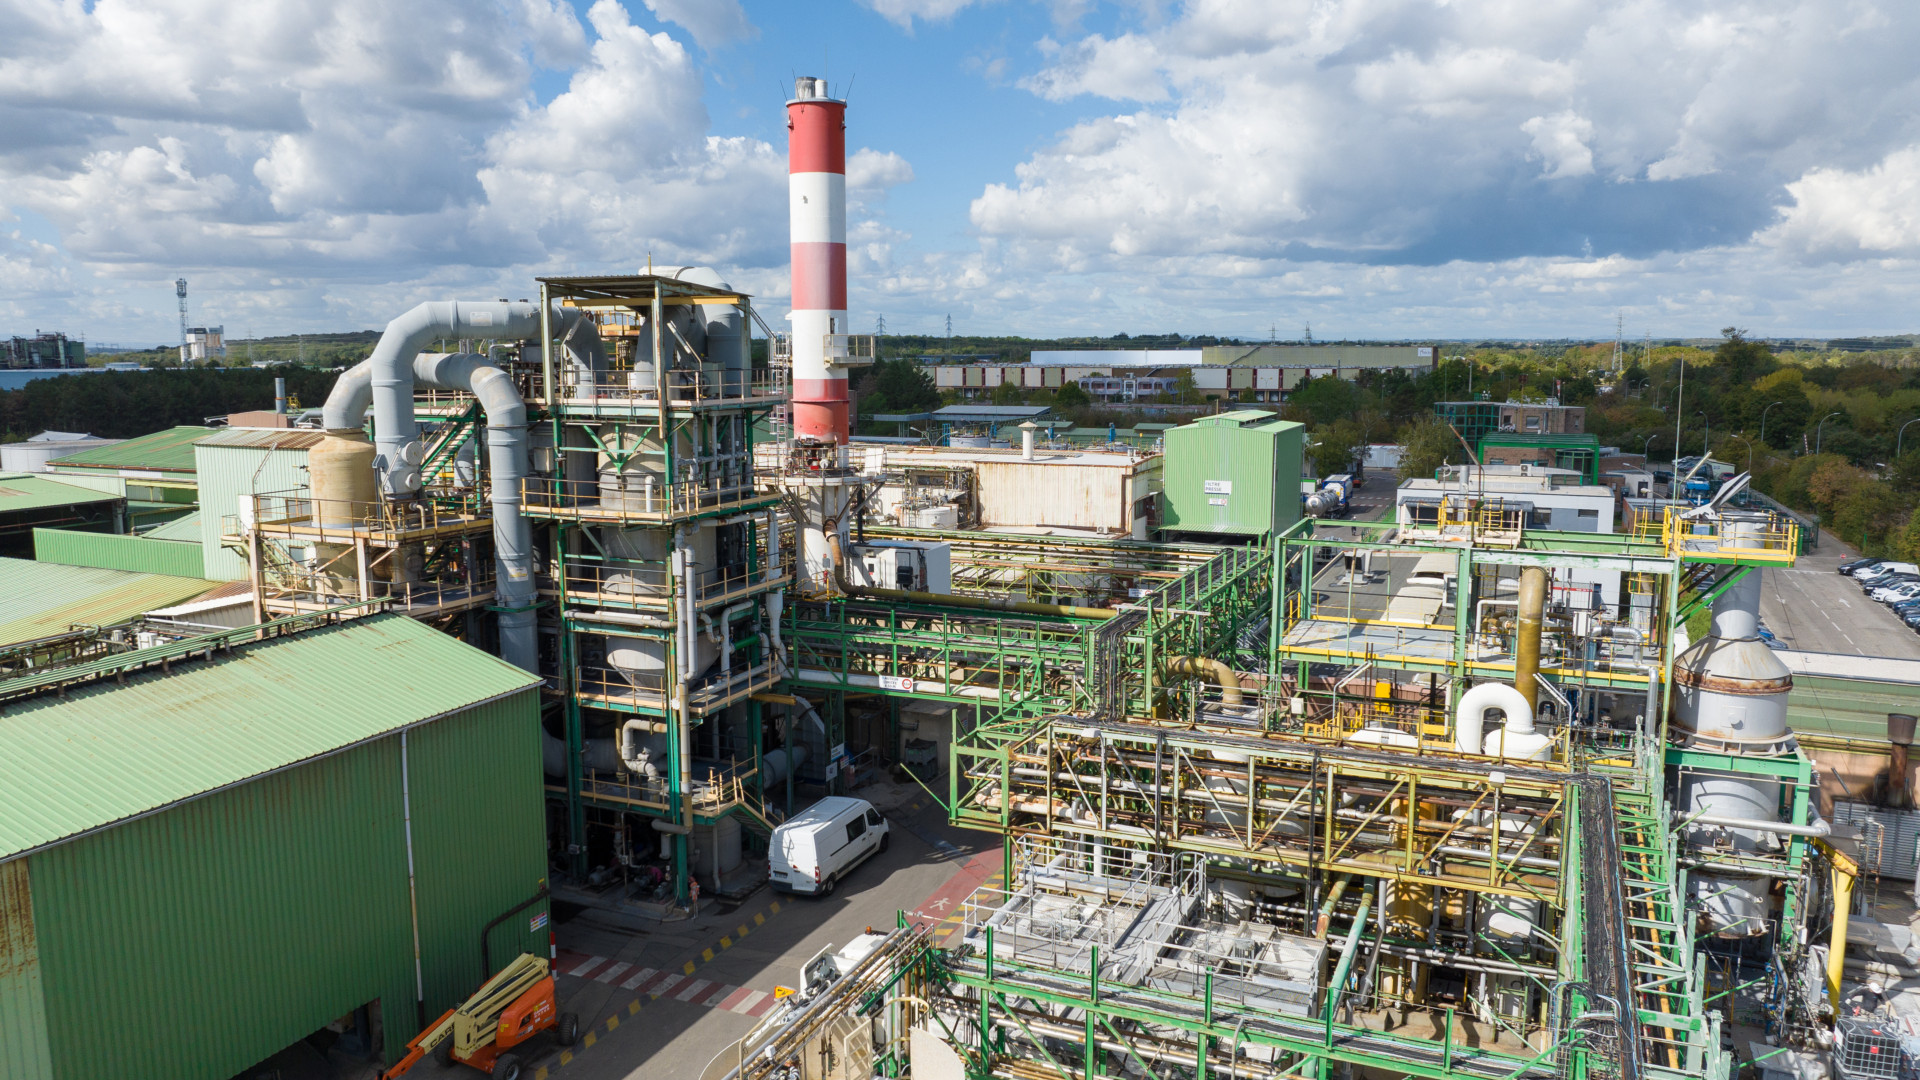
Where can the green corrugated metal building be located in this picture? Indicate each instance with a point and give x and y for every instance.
(232, 466)
(43, 599)
(201, 867)
(140, 554)
(1232, 474)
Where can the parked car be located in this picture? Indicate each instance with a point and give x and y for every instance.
(1905, 606)
(1852, 565)
(1883, 569)
(1893, 594)
(814, 849)
(1888, 581)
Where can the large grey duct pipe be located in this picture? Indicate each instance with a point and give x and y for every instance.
(513, 587)
(386, 378)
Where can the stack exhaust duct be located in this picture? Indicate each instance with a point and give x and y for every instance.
(817, 198)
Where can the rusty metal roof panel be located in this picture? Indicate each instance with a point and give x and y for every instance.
(108, 753)
(42, 599)
(163, 451)
(265, 438)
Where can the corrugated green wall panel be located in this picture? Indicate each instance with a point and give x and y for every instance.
(479, 835)
(110, 552)
(1254, 470)
(213, 934)
(23, 1015)
(226, 474)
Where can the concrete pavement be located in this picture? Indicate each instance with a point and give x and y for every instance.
(661, 1000)
(1811, 606)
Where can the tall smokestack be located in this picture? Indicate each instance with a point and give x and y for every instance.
(817, 198)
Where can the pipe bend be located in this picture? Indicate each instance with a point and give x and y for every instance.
(1202, 667)
(1470, 715)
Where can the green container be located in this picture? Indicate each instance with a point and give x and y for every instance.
(1233, 474)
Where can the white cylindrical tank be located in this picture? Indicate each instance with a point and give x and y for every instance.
(1731, 693)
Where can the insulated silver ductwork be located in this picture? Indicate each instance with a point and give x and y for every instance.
(1731, 694)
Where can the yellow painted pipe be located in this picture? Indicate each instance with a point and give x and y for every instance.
(1526, 652)
(1202, 667)
(1843, 879)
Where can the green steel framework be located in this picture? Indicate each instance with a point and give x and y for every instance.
(671, 417)
(1621, 893)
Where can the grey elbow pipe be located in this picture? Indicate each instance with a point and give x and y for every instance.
(507, 465)
(389, 377)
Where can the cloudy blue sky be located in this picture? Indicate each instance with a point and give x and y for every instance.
(1378, 168)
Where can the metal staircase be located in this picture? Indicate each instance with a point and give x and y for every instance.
(438, 468)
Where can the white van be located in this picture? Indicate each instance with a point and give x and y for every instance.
(817, 847)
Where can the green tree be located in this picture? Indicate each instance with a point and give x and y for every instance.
(1326, 399)
(1741, 360)
(1071, 396)
(1334, 447)
(1429, 445)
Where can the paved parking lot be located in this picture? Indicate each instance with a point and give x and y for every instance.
(1813, 607)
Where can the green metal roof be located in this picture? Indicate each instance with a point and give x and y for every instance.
(163, 451)
(42, 599)
(186, 528)
(106, 753)
(27, 491)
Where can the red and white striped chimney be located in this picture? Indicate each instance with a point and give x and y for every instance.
(817, 193)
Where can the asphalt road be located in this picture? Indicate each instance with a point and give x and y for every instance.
(1813, 607)
(634, 1033)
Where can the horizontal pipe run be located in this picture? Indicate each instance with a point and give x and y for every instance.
(1818, 828)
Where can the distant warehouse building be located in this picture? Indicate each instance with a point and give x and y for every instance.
(1258, 372)
(217, 858)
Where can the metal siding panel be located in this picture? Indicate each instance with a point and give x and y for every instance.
(225, 474)
(140, 555)
(1266, 378)
(24, 1054)
(220, 931)
(479, 837)
(1067, 496)
(41, 599)
(106, 752)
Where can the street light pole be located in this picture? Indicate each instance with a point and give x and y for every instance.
(1679, 412)
(1749, 443)
(1903, 434)
(1706, 437)
(1763, 419)
(1817, 432)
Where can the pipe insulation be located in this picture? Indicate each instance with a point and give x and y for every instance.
(1526, 652)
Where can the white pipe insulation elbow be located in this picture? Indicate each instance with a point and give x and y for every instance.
(1470, 716)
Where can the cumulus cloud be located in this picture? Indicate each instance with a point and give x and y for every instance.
(1560, 141)
(1402, 133)
(902, 12)
(313, 157)
(712, 23)
(1840, 215)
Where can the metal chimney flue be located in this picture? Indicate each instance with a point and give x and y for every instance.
(1900, 735)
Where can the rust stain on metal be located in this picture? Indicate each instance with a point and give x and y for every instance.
(1721, 684)
(19, 945)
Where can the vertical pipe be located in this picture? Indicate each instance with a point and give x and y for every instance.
(280, 396)
(1843, 878)
(413, 896)
(817, 202)
(1526, 653)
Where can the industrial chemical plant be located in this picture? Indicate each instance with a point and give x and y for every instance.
(1276, 793)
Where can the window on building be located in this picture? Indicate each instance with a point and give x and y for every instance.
(1533, 423)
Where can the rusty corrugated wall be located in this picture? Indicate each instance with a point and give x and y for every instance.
(23, 1013)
